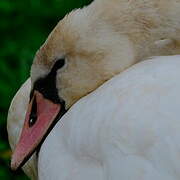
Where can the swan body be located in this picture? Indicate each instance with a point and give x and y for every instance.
(129, 128)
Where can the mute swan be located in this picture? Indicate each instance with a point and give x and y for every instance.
(126, 129)
(88, 47)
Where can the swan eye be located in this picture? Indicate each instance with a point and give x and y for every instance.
(47, 87)
(58, 64)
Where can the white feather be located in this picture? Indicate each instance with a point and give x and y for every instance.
(127, 129)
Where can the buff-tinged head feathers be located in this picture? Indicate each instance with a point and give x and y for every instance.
(92, 50)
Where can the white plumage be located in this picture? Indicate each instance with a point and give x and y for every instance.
(127, 129)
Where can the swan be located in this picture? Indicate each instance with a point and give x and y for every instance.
(87, 48)
(126, 129)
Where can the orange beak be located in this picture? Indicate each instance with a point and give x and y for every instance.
(40, 117)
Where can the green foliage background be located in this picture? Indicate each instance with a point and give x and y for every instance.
(24, 26)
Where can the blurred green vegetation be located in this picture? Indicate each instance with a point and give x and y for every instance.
(24, 26)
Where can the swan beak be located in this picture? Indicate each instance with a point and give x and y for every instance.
(40, 117)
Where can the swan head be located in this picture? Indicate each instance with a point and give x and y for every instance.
(80, 54)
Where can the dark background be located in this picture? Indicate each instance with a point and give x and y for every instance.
(24, 26)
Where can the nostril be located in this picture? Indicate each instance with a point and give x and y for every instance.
(32, 119)
(33, 115)
(32, 122)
